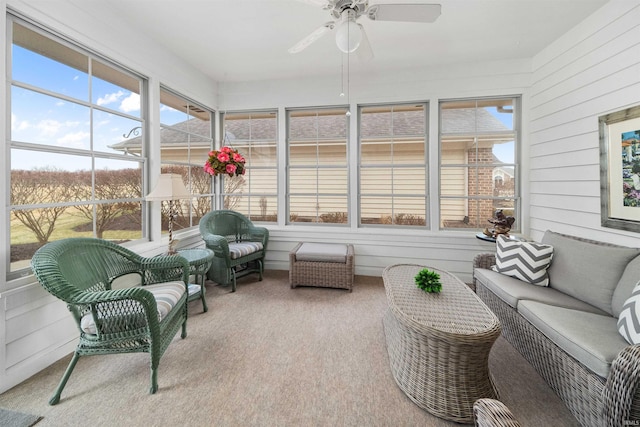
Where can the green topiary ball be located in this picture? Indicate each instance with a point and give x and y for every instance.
(428, 281)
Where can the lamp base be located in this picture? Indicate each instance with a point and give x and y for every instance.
(171, 250)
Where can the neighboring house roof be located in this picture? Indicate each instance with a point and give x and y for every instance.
(508, 170)
(454, 121)
(174, 136)
(470, 120)
(260, 129)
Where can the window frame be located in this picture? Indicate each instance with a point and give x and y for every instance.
(251, 142)
(424, 164)
(481, 102)
(92, 153)
(343, 110)
(192, 162)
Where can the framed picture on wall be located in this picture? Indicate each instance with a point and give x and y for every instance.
(620, 169)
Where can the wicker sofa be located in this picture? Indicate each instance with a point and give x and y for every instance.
(568, 330)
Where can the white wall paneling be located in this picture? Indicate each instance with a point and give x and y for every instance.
(592, 70)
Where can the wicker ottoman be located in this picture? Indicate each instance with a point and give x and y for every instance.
(326, 265)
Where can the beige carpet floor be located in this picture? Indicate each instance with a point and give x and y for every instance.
(268, 355)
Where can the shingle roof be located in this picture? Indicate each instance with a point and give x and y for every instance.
(470, 120)
(454, 121)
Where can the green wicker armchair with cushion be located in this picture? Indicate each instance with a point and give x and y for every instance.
(145, 318)
(239, 246)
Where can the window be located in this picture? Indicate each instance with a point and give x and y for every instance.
(393, 171)
(185, 140)
(254, 134)
(70, 109)
(318, 168)
(478, 167)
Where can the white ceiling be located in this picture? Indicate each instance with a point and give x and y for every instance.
(244, 40)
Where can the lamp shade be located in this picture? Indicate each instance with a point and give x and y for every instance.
(169, 187)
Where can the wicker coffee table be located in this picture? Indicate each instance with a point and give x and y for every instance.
(439, 344)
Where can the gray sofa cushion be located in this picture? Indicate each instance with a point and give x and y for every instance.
(627, 282)
(511, 290)
(586, 270)
(591, 339)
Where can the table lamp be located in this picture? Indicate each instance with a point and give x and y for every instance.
(169, 187)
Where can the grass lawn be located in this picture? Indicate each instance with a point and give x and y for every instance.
(67, 225)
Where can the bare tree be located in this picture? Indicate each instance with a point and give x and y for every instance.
(37, 187)
(109, 185)
(263, 207)
(233, 191)
(200, 184)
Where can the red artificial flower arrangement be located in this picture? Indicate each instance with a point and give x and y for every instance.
(225, 161)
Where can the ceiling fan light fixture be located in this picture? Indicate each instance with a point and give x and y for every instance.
(348, 32)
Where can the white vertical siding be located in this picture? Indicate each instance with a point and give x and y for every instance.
(454, 183)
(592, 70)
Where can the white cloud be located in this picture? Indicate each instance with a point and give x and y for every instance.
(130, 103)
(49, 127)
(110, 98)
(17, 125)
(74, 140)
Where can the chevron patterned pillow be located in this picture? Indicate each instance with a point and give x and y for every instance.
(526, 261)
(628, 322)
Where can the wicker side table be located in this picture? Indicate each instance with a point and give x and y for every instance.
(325, 265)
(439, 344)
(199, 260)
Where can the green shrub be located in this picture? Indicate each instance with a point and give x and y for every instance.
(428, 281)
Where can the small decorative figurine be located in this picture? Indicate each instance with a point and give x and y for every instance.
(501, 224)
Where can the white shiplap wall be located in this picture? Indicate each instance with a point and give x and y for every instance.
(592, 70)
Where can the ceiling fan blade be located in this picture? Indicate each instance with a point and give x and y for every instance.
(404, 12)
(305, 42)
(320, 3)
(364, 52)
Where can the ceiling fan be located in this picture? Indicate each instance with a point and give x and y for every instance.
(350, 35)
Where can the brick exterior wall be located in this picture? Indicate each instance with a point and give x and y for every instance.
(481, 184)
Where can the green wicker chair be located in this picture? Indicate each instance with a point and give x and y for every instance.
(80, 272)
(238, 245)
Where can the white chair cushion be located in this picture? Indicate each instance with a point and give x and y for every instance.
(240, 249)
(166, 295)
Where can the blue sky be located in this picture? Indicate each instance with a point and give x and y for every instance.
(504, 152)
(62, 123)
